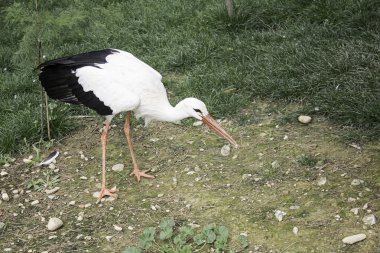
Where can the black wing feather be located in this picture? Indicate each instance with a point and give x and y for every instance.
(60, 82)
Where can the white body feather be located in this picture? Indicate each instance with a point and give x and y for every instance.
(125, 83)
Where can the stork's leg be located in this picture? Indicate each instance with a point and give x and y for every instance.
(127, 130)
(104, 191)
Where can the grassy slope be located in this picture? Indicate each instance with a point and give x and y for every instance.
(323, 53)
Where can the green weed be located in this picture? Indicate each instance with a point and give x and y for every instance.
(184, 239)
(307, 160)
(40, 184)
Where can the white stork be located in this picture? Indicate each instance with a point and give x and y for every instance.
(111, 81)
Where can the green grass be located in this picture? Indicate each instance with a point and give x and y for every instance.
(324, 54)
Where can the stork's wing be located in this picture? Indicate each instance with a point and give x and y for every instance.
(58, 77)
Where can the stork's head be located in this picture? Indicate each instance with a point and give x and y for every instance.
(197, 109)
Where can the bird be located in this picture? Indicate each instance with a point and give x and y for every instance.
(112, 81)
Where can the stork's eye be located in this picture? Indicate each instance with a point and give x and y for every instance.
(197, 110)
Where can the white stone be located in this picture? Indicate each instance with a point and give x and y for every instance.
(5, 196)
(26, 160)
(355, 182)
(321, 181)
(354, 238)
(51, 191)
(246, 176)
(279, 215)
(109, 237)
(275, 164)
(117, 228)
(71, 203)
(130, 228)
(369, 220)
(52, 166)
(355, 210)
(304, 119)
(365, 206)
(197, 123)
(118, 167)
(294, 207)
(54, 223)
(226, 150)
(83, 178)
(3, 173)
(2, 224)
(350, 199)
(295, 230)
(286, 137)
(35, 202)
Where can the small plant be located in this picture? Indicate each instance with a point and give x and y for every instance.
(4, 159)
(307, 160)
(40, 184)
(184, 239)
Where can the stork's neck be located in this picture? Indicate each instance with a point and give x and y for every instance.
(163, 111)
(172, 114)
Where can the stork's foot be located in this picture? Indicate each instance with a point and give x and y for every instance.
(138, 173)
(106, 192)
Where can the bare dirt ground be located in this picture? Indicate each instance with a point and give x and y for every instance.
(302, 170)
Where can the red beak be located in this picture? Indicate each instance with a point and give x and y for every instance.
(214, 125)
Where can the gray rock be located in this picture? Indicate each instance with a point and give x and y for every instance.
(354, 238)
(54, 223)
(369, 220)
(304, 119)
(226, 150)
(118, 167)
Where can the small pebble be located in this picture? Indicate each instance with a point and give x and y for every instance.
(226, 150)
(71, 203)
(2, 224)
(3, 173)
(5, 196)
(321, 181)
(355, 211)
(27, 160)
(304, 119)
(246, 176)
(286, 137)
(295, 230)
(51, 191)
(7, 250)
(275, 164)
(109, 237)
(279, 214)
(197, 123)
(160, 195)
(130, 228)
(356, 182)
(369, 220)
(294, 207)
(354, 238)
(54, 223)
(83, 178)
(117, 228)
(35, 202)
(118, 167)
